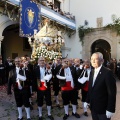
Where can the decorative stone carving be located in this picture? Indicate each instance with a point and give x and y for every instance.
(100, 22)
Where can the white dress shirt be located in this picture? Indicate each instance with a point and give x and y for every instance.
(68, 76)
(42, 73)
(96, 71)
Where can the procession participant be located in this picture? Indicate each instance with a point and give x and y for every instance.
(72, 67)
(69, 94)
(29, 68)
(56, 88)
(78, 72)
(43, 76)
(84, 80)
(18, 77)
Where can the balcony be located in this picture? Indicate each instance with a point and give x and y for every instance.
(51, 14)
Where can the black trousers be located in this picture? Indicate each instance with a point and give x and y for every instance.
(84, 95)
(96, 116)
(40, 97)
(69, 96)
(56, 87)
(22, 97)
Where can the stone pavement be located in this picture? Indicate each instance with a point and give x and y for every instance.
(8, 110)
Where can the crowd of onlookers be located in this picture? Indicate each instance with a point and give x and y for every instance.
(58, 10)
(114, 66)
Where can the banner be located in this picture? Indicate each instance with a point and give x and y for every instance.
(29, 18)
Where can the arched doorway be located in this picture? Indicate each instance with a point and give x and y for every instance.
(102, 46)
(13, 45)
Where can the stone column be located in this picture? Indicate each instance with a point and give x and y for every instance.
(1, 38)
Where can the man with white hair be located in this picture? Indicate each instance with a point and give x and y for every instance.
(102, 90)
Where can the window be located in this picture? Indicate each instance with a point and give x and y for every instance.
(57, 4)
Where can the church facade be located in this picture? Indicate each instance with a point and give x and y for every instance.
(103, 40)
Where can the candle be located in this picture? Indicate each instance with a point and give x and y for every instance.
(59, 33)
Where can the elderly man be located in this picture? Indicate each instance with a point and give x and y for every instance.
(102, 90)
(43, 76)
(19, 78)
(68, 90)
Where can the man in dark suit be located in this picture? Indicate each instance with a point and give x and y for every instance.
(102, 90)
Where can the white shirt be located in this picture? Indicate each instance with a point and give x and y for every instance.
(42, 72)
(96, 71)
(68, 76)
(17, 70)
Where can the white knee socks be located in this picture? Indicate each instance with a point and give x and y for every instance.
(74, 108)
(20, 112)
(49, 110)
(27, 109)
(85, 109)
(66, 109)
(40, 111)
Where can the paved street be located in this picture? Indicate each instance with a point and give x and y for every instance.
(8, 110)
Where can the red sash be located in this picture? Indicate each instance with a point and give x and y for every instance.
(42, 87)
(67, 86)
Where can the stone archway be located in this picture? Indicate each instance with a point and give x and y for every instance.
(100, 34)
(102, 46)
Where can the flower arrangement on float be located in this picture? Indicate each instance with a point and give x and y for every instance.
(48, 54)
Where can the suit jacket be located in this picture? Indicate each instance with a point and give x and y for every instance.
(102, 96)
(12, 81)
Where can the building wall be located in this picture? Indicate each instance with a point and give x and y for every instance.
(11, 42)
(84, 10)
(90, 10)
